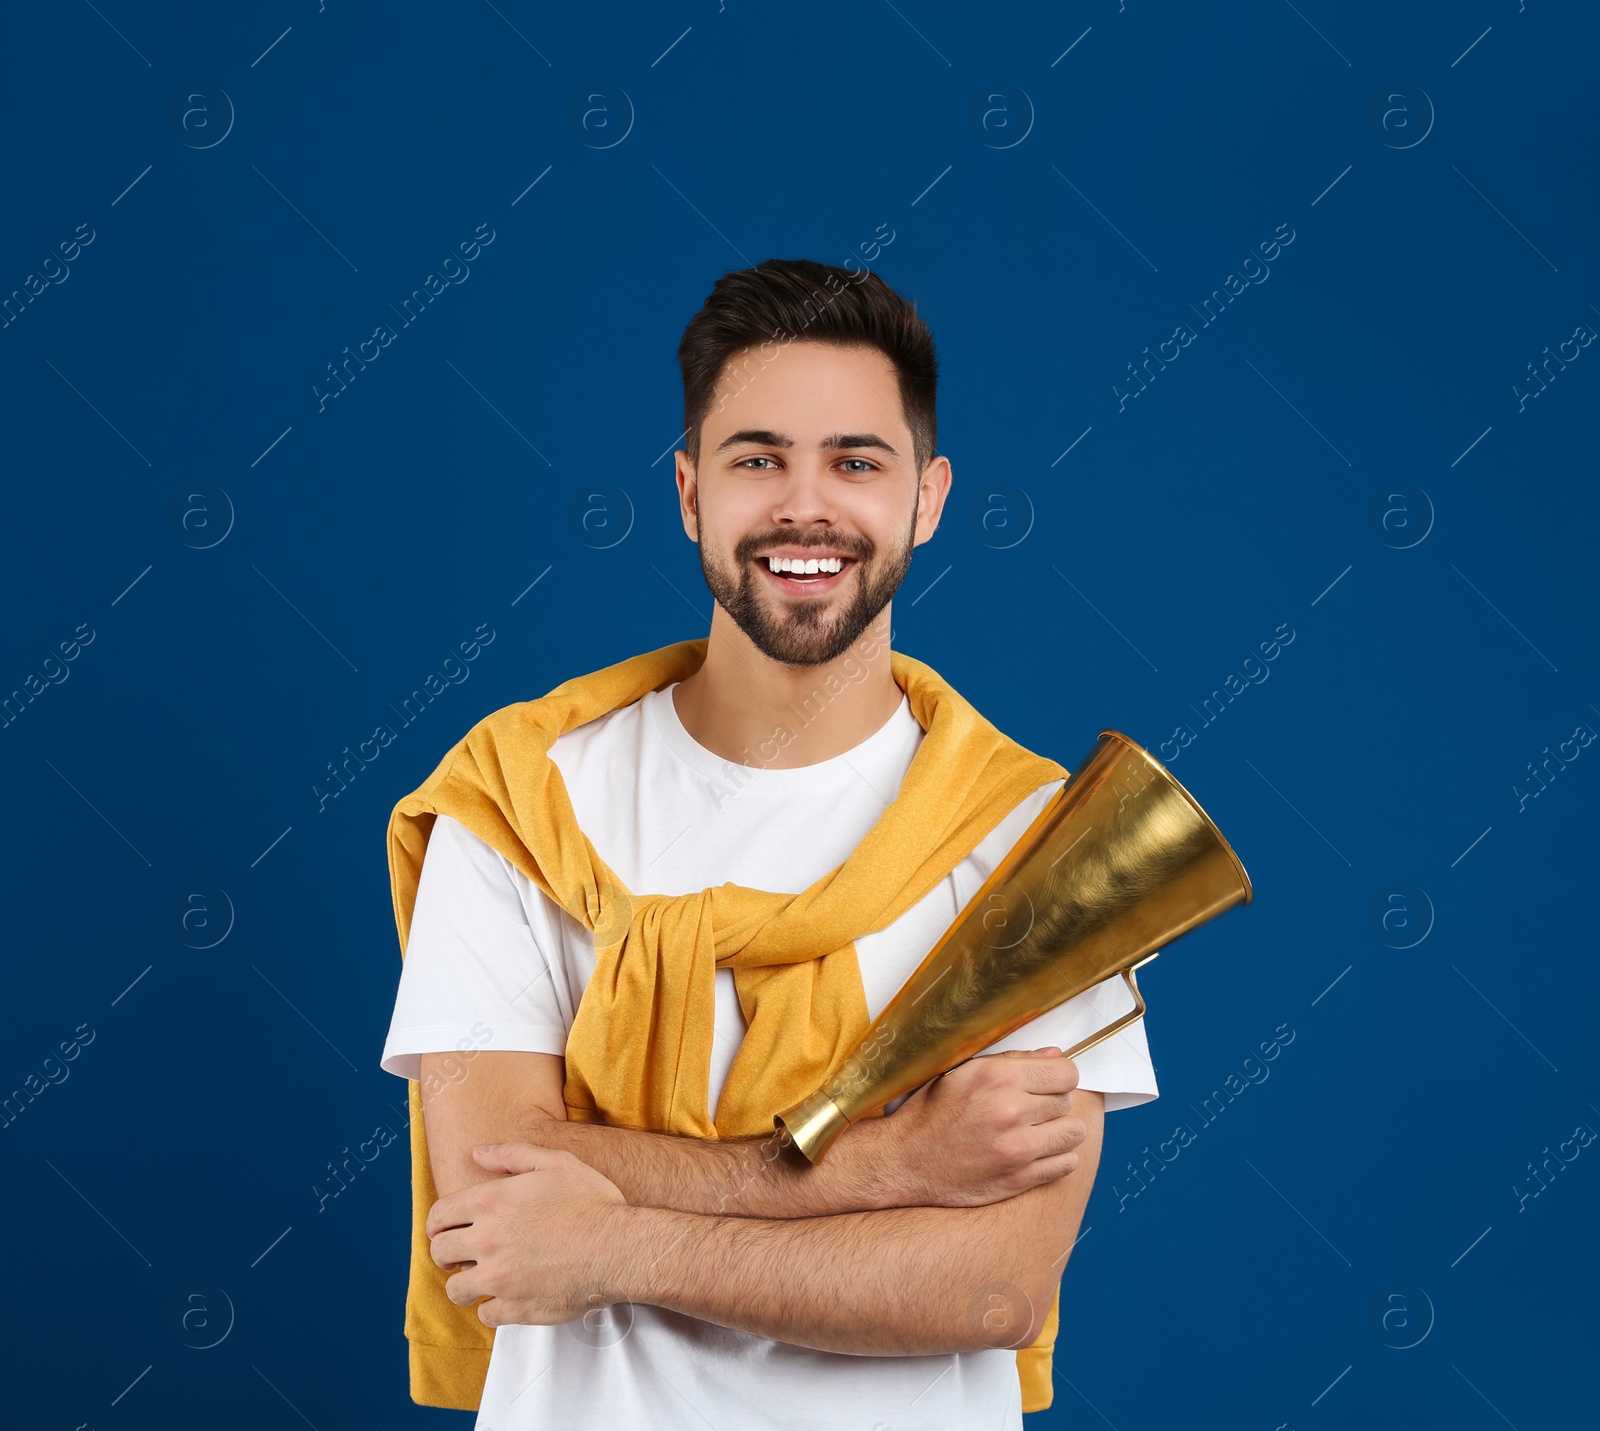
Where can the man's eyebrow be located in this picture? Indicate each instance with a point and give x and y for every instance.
(834, 442)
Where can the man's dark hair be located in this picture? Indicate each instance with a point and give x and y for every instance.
(786, 300)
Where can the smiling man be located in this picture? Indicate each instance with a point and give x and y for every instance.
(647, 911)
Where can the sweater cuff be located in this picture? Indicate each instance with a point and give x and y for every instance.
(451, 1377)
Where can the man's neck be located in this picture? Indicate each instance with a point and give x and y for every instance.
(752, 710)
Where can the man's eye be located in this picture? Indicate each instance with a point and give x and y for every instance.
(744, 460)
(868, 466)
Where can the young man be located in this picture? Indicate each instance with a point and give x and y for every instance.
(664, 902)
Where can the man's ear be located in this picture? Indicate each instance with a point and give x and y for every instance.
(932, 491)
(688, 496)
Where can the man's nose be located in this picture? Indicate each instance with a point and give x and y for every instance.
(805, 494)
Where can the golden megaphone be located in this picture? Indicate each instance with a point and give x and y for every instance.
(1119, 864)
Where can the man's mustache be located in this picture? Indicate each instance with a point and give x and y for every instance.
(860, 549)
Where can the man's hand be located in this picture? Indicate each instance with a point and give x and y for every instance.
(987, 1130)
(539, 1242)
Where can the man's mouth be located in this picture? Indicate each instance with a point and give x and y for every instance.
(809, 576)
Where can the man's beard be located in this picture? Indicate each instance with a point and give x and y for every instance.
(803, 633)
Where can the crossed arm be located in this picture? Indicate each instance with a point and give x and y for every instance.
(942, 1228)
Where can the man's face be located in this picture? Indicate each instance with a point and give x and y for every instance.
(807, 457)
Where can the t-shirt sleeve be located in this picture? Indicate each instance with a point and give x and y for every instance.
(477, 974)
(1119, 1066)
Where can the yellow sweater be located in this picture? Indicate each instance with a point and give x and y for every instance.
(793, 955)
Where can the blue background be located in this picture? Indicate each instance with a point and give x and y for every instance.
(1342, 455)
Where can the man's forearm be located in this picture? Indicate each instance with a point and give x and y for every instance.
(899, 1282)
(744, 1178)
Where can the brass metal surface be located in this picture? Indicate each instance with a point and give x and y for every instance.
(1122, 862)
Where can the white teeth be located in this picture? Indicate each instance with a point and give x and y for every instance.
(806, 566)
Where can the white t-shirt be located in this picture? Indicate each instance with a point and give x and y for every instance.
(494, 963)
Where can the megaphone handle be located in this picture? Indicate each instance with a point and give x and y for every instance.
(1136, 1012)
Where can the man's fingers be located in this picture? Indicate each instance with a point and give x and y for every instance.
(464, 1288)
(1046, 1136)
(1044, 1070)
(1040, 1071)
(1066, 1134)
(515, 1157)
(455, 1248)
(1049, 1170)
(1050, 1075)
(1041, 1109)
(501, 1312)
(457, 1210)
